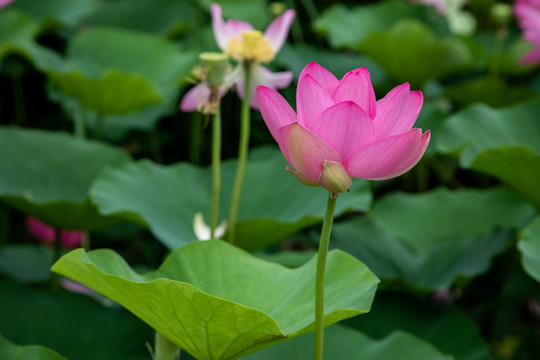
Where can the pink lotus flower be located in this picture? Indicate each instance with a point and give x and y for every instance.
(528, 16)
(241, 42)
(341, 131)
(47, 234)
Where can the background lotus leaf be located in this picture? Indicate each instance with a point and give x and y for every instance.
(501, 142)
(396, 241)
(48, 175)
(273, 204)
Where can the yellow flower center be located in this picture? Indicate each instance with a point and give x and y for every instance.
(251, 46)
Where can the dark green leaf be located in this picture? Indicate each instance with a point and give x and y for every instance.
(344, 343)
(64, 12)
(410, 51)
(26, 262)
(160, 16)
(491, 91)
(450, 331)
(17, 33)
(430, 239)
(350, 27)
(529, 245)
(49, 174)
(74, 325)
(118, 71)
(500, 142)
(11, 351)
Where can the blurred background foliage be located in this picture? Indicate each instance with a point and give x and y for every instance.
(456, 241)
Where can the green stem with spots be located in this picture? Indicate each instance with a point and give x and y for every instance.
(216, 164)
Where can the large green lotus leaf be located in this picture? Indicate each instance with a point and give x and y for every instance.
(344, 343)
(448, 329)
(482, 127)
(410, 51)
(273, 204)
(17, 34)
(26, 262)
(114, 127)
(349, 27)
(11, 351)
(120, 59)
(422, 219)
(49, 174)
(16, 26)
(514, 165)
(218, 302)
(160, 16)
(101, 48)
(113, 93)
(500, 142)
(74, 325)
(430, 239)
(65, 12)
(529, 246)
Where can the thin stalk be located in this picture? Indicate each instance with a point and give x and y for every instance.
(18, 93)
(296, 29)
(80, 122)
(242, 153)
(216, 164)
(165, 349)
(153, 138)
(311, 9)
(195, 139)
(319, 280)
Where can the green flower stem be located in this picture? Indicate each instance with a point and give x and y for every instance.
(242, 153)
(18, 93)
(79, 122)
(165, 349)
(319, 280)
(216, 163)
(195, 138)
